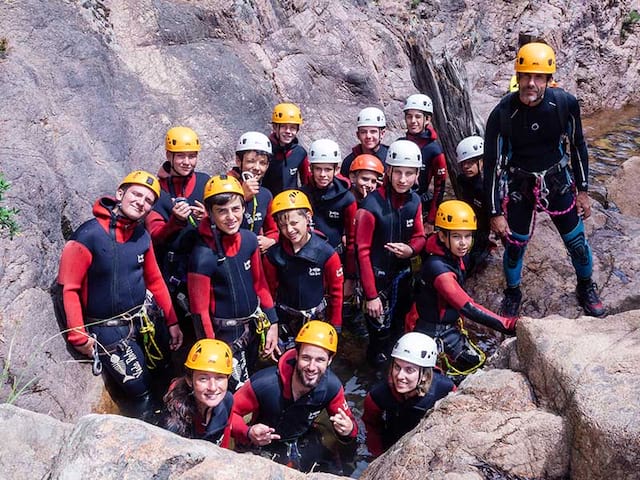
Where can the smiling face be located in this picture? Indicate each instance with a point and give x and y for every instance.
(531, 87)
(135, 201)
(294, 226)
(182, 163)
(311, 364)
(416, 121)
(209, 388)
(459, 242)
(370, 138)
(253, 161)
(404, 376)
(323, 174)
(365, 180)
(228, 217)
(285, 132)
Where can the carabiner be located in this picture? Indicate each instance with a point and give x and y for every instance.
(96, 367)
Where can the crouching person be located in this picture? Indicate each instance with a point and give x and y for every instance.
(198, 404)
(285, 400)
(441, 301)
(396, 405)
(105, 271)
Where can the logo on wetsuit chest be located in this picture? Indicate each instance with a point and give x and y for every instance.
(334, 215)
(293, 171)
(312, 416)
(141, 259)
(409, 223)
(315, 271)
(247, 265)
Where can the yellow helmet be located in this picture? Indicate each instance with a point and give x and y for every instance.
(146, 179)
(210, 355)
(222, 184)
(286, 113)
(513, 84)
(536, 58)
(456, 215)
(182, 139)
(320, 334)
(290, 200)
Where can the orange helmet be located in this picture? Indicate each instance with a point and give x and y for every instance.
(366, 161)
(536, 57)
(286, 113)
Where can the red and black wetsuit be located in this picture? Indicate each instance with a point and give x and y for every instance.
(256, 215)
(105, 269)
(303, 280)
(288, 168)
(334, 211)
(173, 238)
(386, 216)
(388, 416)
(434, 167)
(381, 153)
(472, 192)
(268, 397)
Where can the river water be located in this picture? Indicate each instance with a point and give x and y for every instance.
(612, 137)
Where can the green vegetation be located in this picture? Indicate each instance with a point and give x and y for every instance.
(15, 383)
(628, 24)
(8, 222)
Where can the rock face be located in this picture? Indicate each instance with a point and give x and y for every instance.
(114, 447)
(90, 88)
(587, 371)
(625, 198)
(491, 422)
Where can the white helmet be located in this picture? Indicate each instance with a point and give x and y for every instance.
(416, 348)
(419, 101)
(470, 147)
(404, 153)
(324, 151)
(254, 141)
(371, 117)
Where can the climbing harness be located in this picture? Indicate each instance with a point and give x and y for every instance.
(96, 367)
(389, 301)
(447, 366)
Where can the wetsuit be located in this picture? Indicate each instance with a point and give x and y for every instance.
(534, 139)
(388, 416)
(386, 216)
(309, 281)
(256, 215)
(288, 168)
(334, 211)
(105, 270)
(225, 290)
(434, 166)
(268, 397)
(472, 193)
(441, 301)
(381, 153)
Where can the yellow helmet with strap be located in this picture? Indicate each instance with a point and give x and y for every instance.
(222, 184)
(290, 200)
(536, 57)
(286, 113)
(146, 179)
(320, 334)
(210, 355)
(182, 139)
(456, 215)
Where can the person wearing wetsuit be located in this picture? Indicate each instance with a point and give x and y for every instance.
(441, 301)
(418, 111)
(228, 294)
(389, 231)
(526, 150)
(289, 166)
(396, 405)
(285, 400)
(198, 404)
(105, 271)
(371, 124)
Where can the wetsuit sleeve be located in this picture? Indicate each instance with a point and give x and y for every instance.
(491, 164)
(269, 226)
(418, 239)
(333, 289)
(271, 275)
(350, 233)
(439, 173)
(245, 402)
(365, 226)
(305, 171)
(578, 146)
(374, 425)
(261, 287)
(201, 300)
(340, 402)
(155, 283)
(454, 295)
(161, 230)
(74, 265)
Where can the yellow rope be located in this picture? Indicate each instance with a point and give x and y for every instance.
(152, 352)
(453, 371)
(262, 326)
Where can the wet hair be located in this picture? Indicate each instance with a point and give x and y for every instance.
(180, 407)
(221, 199)
(284, 216)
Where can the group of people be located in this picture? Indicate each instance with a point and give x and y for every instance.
(232, 272)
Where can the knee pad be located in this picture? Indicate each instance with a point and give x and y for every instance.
(576, 243)
(512, 260)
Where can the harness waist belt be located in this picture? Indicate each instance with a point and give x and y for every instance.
(558, 167)
(120, 320)
(309, 313)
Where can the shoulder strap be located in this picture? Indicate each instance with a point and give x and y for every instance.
(505, 116)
